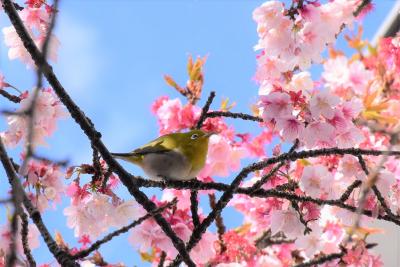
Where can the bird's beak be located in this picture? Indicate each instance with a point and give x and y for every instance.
(209, 134)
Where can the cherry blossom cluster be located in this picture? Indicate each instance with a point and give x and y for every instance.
(295, 38)
(49, 111)
(44, 180)
(36, 17)
(150, 237)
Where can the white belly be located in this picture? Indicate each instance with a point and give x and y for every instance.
(170, 165)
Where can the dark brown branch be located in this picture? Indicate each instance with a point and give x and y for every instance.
(62, 257)
(243, 116)
(12, 251)
(265, 178)
(219, 222)
(96, 165)
(194, 203)
(266, 240)
(24, 237)
(296, 207)
(323, 259)
(9, 96)
(205, 109)
(363, 4)
(262, 193)
(345, 196)
(268, 176)
(91, 132)
(96, 245)
(163, 256)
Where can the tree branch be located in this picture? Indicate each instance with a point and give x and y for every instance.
(239, 115)
(9, 96)
(24, 238)
(320, 260)
(204, 111)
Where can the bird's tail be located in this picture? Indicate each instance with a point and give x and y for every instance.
(131, 157)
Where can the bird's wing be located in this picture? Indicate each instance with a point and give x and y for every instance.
(156, 146)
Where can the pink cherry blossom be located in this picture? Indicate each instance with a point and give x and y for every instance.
(205, 249)
(5, 235)
(35, 18)
(350, 138)
(339, 121)
(92, 216)
(46, 179)
(316, 180)
(291, 128)
(350, 167)
(340, 75)
(275, 105)
(318, 132)
(301, 82)
(311, 243)
(385, 181)
(173, 117)
(48, 110)
(286, 221)
(222, 157)
(323, 103)
(182, 195)
(289, 43)
(149, 234)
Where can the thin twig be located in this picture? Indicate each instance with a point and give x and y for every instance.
(204, 111)
(243, 116)
(96, 245)
(363, 4)
(350, 190)
(219, 222)
(296, 207)
(322, 259)
(163, 256)
(266, 240)
(24, 238)
(10, 97)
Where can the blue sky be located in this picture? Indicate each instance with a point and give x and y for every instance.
(112, 59)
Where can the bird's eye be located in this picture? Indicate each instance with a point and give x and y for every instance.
(194, 136)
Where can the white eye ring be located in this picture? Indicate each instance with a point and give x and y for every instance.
(194, 136)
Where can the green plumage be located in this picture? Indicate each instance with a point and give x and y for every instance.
(176, 156)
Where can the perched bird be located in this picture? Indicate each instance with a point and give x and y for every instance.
(175, 156)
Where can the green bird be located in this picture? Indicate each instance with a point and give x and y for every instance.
(175, 156)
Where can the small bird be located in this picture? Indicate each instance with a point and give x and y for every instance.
(175, 156)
